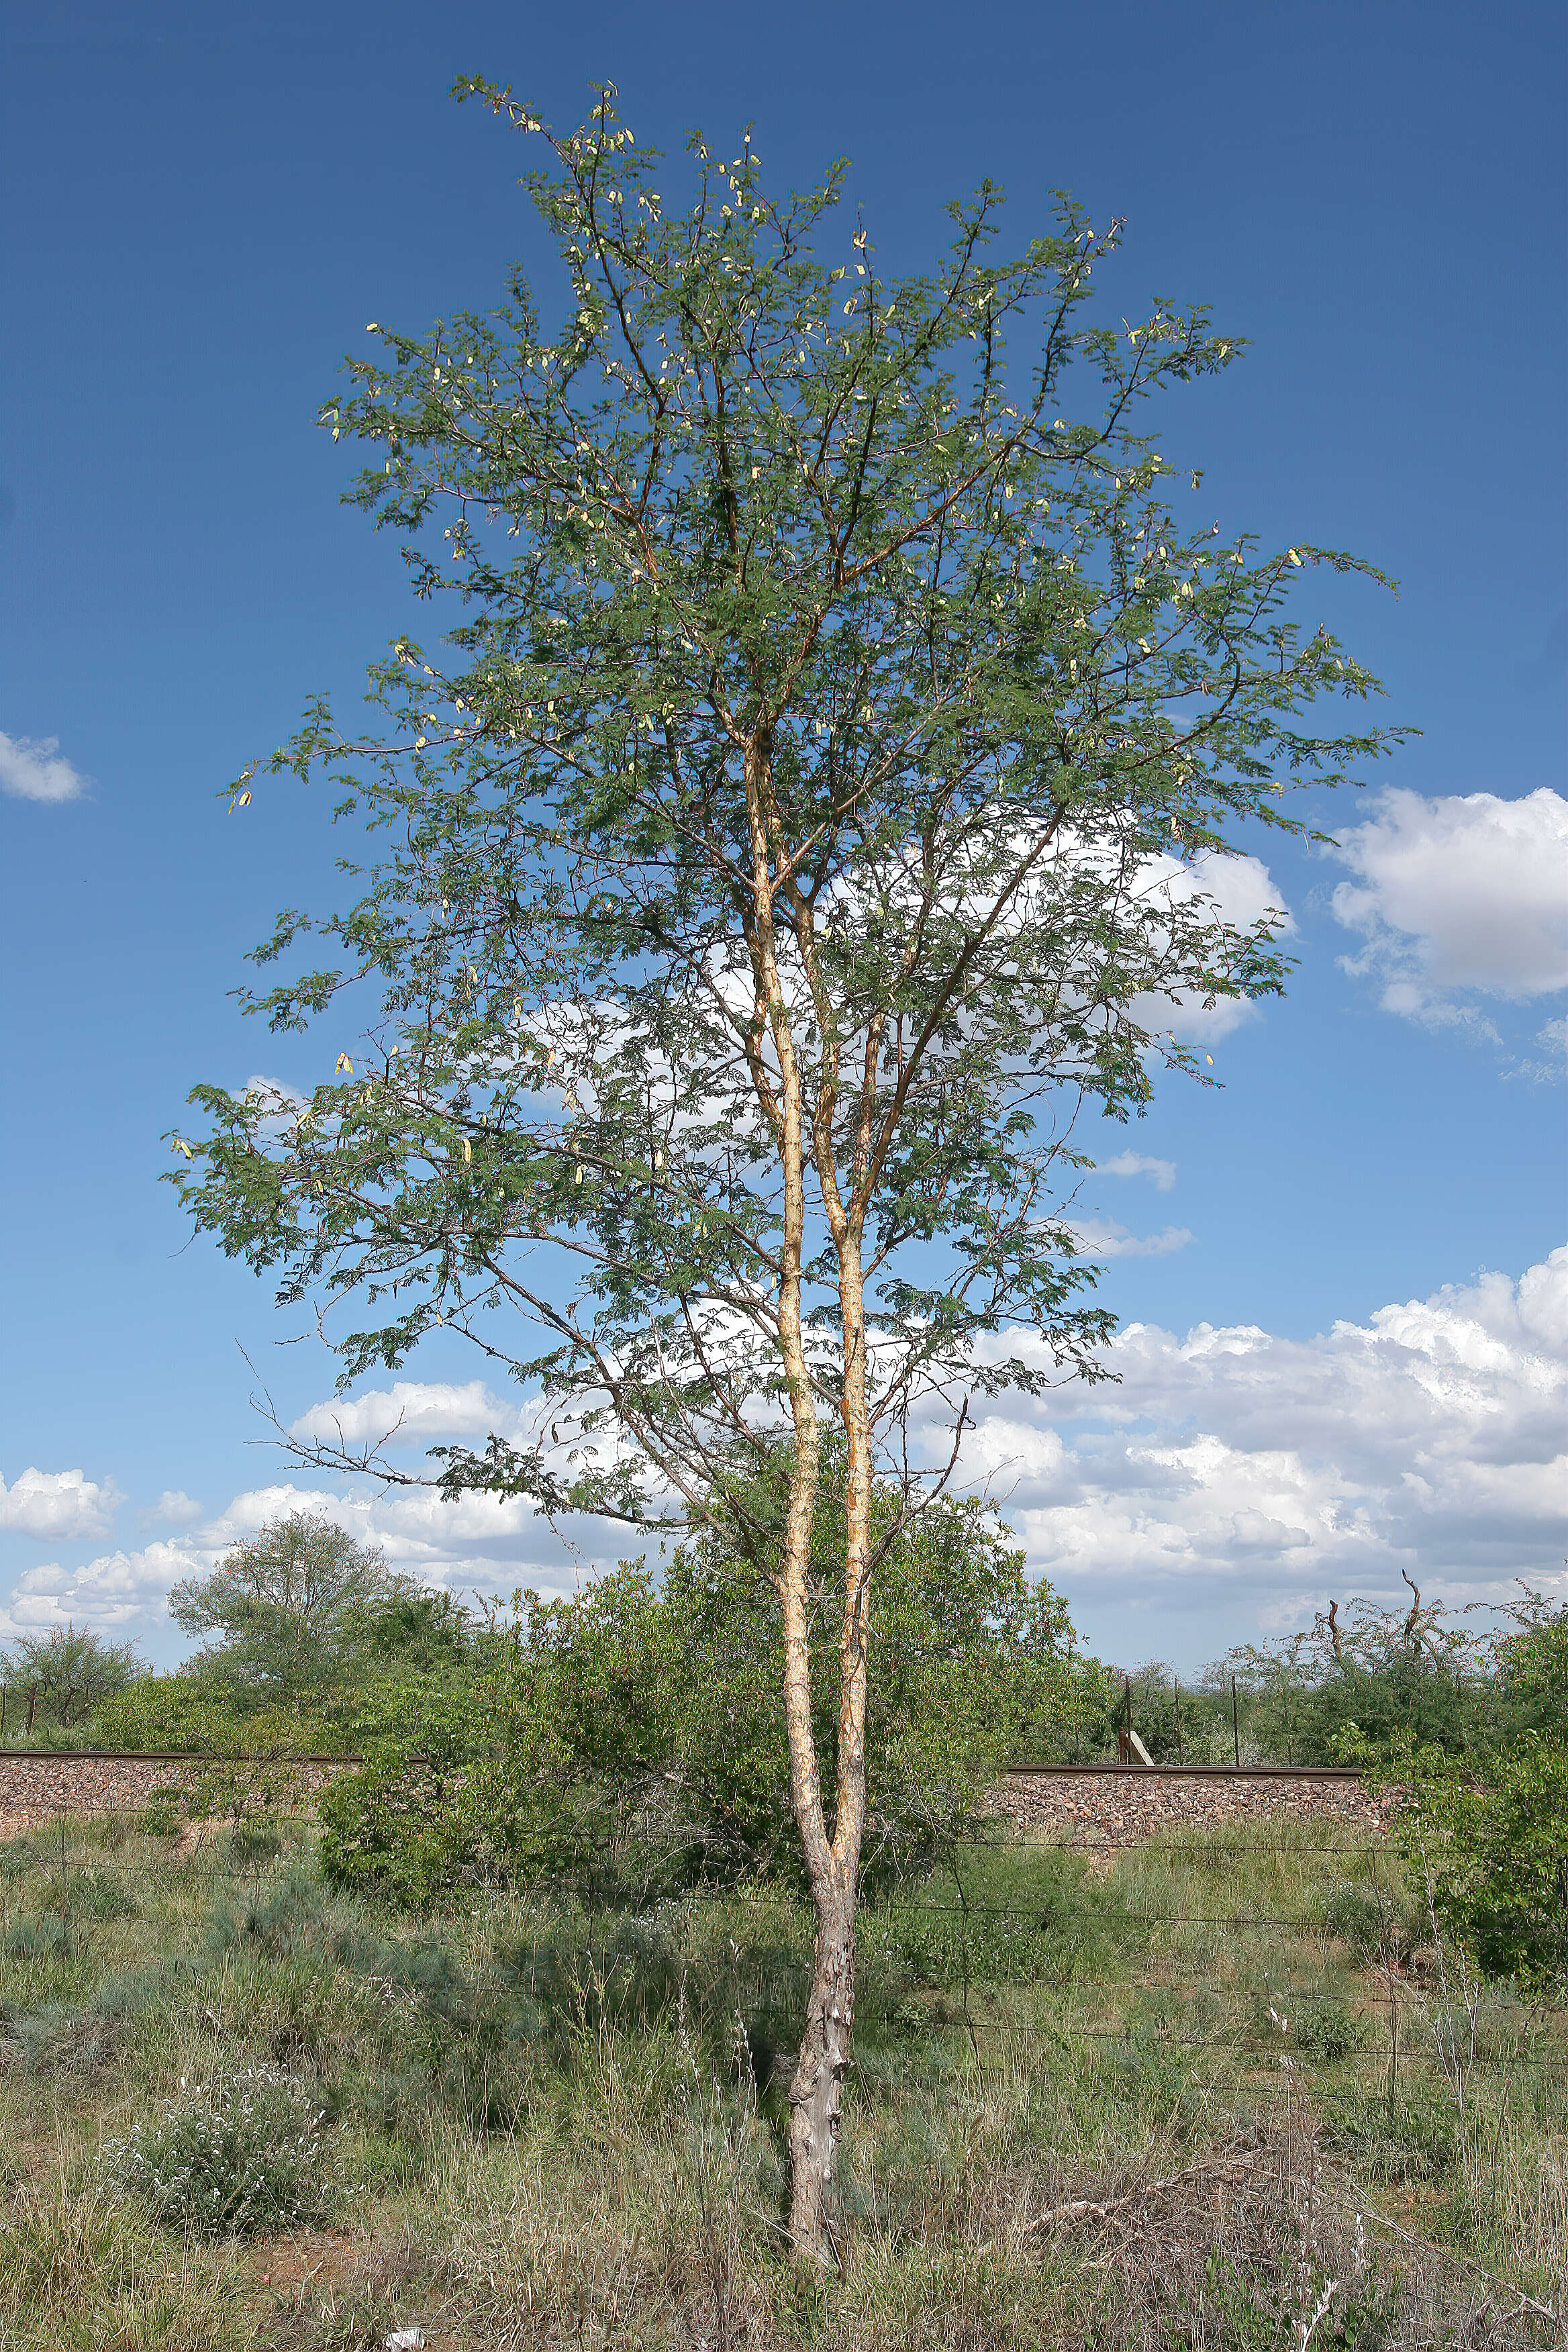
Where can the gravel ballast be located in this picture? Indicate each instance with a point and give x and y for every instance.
(1079, 1805)
(40, 1786)
(1088, 1807)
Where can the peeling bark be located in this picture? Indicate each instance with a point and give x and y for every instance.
(816, 2093)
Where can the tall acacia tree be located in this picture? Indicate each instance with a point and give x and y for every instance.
(806, 817)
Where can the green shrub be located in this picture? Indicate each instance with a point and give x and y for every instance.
(1489, 1843)
(1533, 1668)
(234, 2157)
(475, 1802)
(1375, 1683)
(634, 1738)
(1315, 2026)
(69, 1670)
(194, 1713)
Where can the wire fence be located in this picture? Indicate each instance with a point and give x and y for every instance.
(79, 1853)
(36, 1847)
(106, 1827)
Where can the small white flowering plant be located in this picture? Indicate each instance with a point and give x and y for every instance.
(236, 2155)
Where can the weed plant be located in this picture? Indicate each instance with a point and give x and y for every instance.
(233, 2157)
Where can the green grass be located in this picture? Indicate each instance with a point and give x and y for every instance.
(532, 2122)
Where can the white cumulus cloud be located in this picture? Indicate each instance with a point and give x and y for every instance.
(34, 769)
(410, 1409)
(173, 1509)
(1250, 1471)
(117, 1591)
(474, 1542)
(1240, 1475)
(1161, 1173)
(1458, 899)
(57, 1502)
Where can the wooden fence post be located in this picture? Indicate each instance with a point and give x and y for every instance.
(1235, 1721)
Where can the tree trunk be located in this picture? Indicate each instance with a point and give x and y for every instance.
(832, 1860)
(816, 2095)
(818, 2091)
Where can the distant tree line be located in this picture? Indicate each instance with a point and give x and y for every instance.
(307, 1638)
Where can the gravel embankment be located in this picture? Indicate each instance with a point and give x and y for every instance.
(1087, 1807)
(1127, 1807)
(39, 1787)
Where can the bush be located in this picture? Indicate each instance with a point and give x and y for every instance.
(489, 1793)
(233, 2158)
(1317, 2026)
(1533, 1668)
(70, 1673)
(1491, 1845)
(195, 1715)
(634, 1738)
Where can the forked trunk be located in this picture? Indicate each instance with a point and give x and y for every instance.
(832, 1859)
(816, 2093)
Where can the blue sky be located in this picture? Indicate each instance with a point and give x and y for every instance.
(207, 207)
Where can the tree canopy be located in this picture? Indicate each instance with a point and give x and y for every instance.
(846, 738)
(277, 1609)
(70, 1668)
